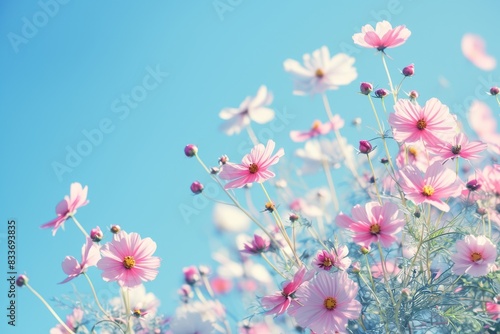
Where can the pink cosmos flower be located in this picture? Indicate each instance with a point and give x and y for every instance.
(474, 49)
(437, 183)
(68, 206)
(254, 166)
(382, 37)
(372, 223)
(327, 302)
(251, 109)
(431, 124)
(493, 309)
(458, 146)
(280, 301)
(475, 256)
(129, 260)
(317, 129)
(483, 122)
(326, 260)
(415, 154)
(73, 321)
(320, 72)
(90, 256)
(258, 245)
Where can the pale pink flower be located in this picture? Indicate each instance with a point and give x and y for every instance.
(438, 182)
(221, 285)
(458, 146)
(280, 301)
(493, 310)
(431, 123)
(318, 152)
(373, 223)
(474, 49)
(129, 260)
(483, 122)
(73, 321)
(338, 258)
(90, 256)
(415, 154)
(254, 166)
(257, 245)
(317, 129)
(391, 268)
(475, 256)
(251, 109)
(326, 303)
(320, 72)
(68, 206)
(382, 37)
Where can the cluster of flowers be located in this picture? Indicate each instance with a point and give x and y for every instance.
(416, 253)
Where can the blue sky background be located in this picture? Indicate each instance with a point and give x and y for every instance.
(70, 75)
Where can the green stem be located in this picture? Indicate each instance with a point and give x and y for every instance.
(51, 310)
(394, 94)
(374, 179)
(95, 296)
(272, 265)
(79, 226)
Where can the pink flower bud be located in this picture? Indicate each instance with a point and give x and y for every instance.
(365, 147)
(364, 250)
(191, 275)
(413, 95)
(196, 187)
(293, 217)
(365, 88)
(409, 70)
(96, 234)
(494, 90)
(115, 229)
(190, 150)
(223, 159)
(381, 93)
(21, 280)
(473, 185)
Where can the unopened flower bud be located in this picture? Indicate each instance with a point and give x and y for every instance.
(413, 95)
(96, 234)
(494, 90)
(21, 280)
(409, 70)
(406, 292)
(381, 93)
(364, 250)
(191, 275)
(204, 270)
(185, 292)
(384, 161)
(196, 187)
(356, 267)
(416, 214)
(190, 150)
(214, 170)
(481, 211)
(372, 179)
(115, 229)
(293, 217)
(473, 185)
(365, 88)
(223, 159)
(365, 147)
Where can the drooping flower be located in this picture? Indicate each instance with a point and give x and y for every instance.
(320, 72)
(431, 123)
(251, 109)
(382, 37)
(254, 166)
(475, 256)
(73, 321)
(438, 182)
(317, 129)
(90, 257)
(338, 258)
(280, 301)
(327, 302)
(129, 260)
(68, 206)
(372, 223)
(258, 245)
(458, 146)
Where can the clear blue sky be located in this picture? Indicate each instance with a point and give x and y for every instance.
(72, 74)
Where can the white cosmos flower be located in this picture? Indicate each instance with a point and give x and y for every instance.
(320, 72)
(251, 109)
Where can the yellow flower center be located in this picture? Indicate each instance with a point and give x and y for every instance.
(319, 73)
(270, 206)
(128, 262)
(413, 151)
(327, 262)
(137, 313)
(253, 168)
(427, 190)
(330, 303)
(316, 125)
(375, 229)
(421, 124)
(476, 257)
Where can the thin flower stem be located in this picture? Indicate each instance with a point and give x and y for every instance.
(126, 300)
(394, 94)
(206, 283)
(373, 289)
(374, 179)
(79, 226)
(498, 99)
(112, 322)
(398, 88)
(199, 294)
(329, 179)
(95, 296)
(272, 265)
(252, 135)
(51, 310)
(315, 235)
(202, 163)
